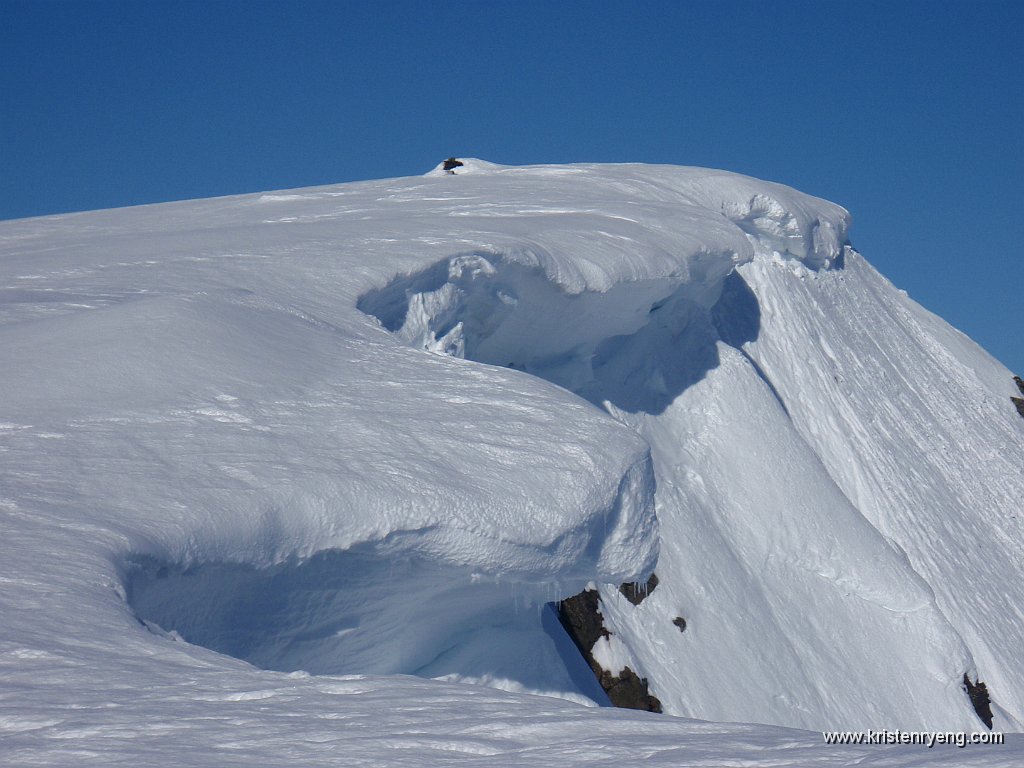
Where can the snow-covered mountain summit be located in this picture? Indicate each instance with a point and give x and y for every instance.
(373, 428)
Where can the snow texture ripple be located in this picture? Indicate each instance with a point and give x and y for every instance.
(368, 430)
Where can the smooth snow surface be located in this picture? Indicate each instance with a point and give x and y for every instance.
(371, 429)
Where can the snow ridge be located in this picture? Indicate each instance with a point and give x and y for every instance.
(373, 428)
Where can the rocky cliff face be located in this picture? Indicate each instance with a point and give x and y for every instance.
(581, 617)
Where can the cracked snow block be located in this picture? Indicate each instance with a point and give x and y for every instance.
(580, 615)
(636, 592)
(504, 310)
(978, 693)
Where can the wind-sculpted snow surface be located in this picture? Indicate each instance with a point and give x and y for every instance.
(373, 428)
(839, 507)
(770, 498)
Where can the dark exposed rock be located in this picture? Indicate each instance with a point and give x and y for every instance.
(680, 622)
(629, 691)
(451, 164)
(1019, 402)
(580, 615)
(982, 704)
(636, 592)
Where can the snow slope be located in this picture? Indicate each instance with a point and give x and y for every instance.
(844, 486)
(352, 430)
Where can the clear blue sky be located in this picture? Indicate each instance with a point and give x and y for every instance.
(910, 114)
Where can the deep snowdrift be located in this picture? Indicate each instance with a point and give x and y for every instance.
(352, 429)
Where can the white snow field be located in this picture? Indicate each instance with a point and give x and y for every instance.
(277, 471)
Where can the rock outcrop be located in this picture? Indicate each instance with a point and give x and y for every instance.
(580, 615)
(980, 700)
(636, 592)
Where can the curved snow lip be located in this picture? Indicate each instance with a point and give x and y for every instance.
(710, 209)
(817, 241)
(371, 609)
(393, 606)
(399, 603)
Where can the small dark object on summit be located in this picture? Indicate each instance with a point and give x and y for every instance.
(451, 164)
(680, 622)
